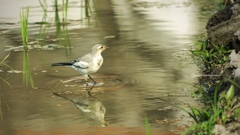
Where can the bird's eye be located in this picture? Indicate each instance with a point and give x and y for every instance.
(101, 47)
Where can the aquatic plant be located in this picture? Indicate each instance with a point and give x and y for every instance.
(65, 10)
(2, 64)
(65, 34)
(43, 31)
(86, 4)
(57, 20)
(2, 100)
(62, 34)
(88, 7)
(27, 76)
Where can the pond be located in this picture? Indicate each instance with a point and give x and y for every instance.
(147, 69)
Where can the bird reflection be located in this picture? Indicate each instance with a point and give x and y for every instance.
(90, 105)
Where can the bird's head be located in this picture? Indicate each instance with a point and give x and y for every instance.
(99, 47)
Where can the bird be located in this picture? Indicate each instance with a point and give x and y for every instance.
(90, 106)
(87, 64)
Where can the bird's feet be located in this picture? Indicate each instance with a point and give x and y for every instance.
(92, 85)
(86, 86)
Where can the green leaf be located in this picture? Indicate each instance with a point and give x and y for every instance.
(215, 98)
(206, 114)
(211, 51)
(237, 112)
(233, 82)
(230, 93)
(195, 111)
(224, 117)
(207, 54)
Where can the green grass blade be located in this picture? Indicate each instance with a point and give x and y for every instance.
(43, 28)
(6, 103)
(57, 19)
(96, 14)
(27, 77)
(215, 98)
(5, 58)
(6, 82)
(66, 9)
(189, 113)
(233, 82)
(86, 9)
(148, 130)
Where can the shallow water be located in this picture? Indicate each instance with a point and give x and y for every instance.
(146, 68)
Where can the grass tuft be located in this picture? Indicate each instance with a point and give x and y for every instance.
(27, 76)
(222, 110)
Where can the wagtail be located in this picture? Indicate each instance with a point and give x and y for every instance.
(87, 64)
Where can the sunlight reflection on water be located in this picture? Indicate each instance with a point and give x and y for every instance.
(140, 75)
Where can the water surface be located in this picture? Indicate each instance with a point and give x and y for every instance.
(146, 68)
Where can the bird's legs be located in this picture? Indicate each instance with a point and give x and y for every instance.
(86, 81)
(94, 82)
(89, 93)
(86, 86)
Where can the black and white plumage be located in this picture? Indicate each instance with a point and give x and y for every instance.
(87, 64)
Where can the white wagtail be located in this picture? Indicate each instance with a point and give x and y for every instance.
(90, 105)
(87, 64)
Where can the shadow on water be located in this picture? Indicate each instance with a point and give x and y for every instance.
(141, 75)
(90, 106)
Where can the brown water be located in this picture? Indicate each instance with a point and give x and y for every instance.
(146, 68)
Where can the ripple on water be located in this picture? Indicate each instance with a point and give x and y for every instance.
(77, 83)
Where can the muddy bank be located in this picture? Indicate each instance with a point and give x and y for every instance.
(223, 37)
(223, 30)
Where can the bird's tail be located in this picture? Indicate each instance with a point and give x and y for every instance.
(62, 64)
(60, 95)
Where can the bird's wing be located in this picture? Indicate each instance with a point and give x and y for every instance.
(83, 107)
(82, 62)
